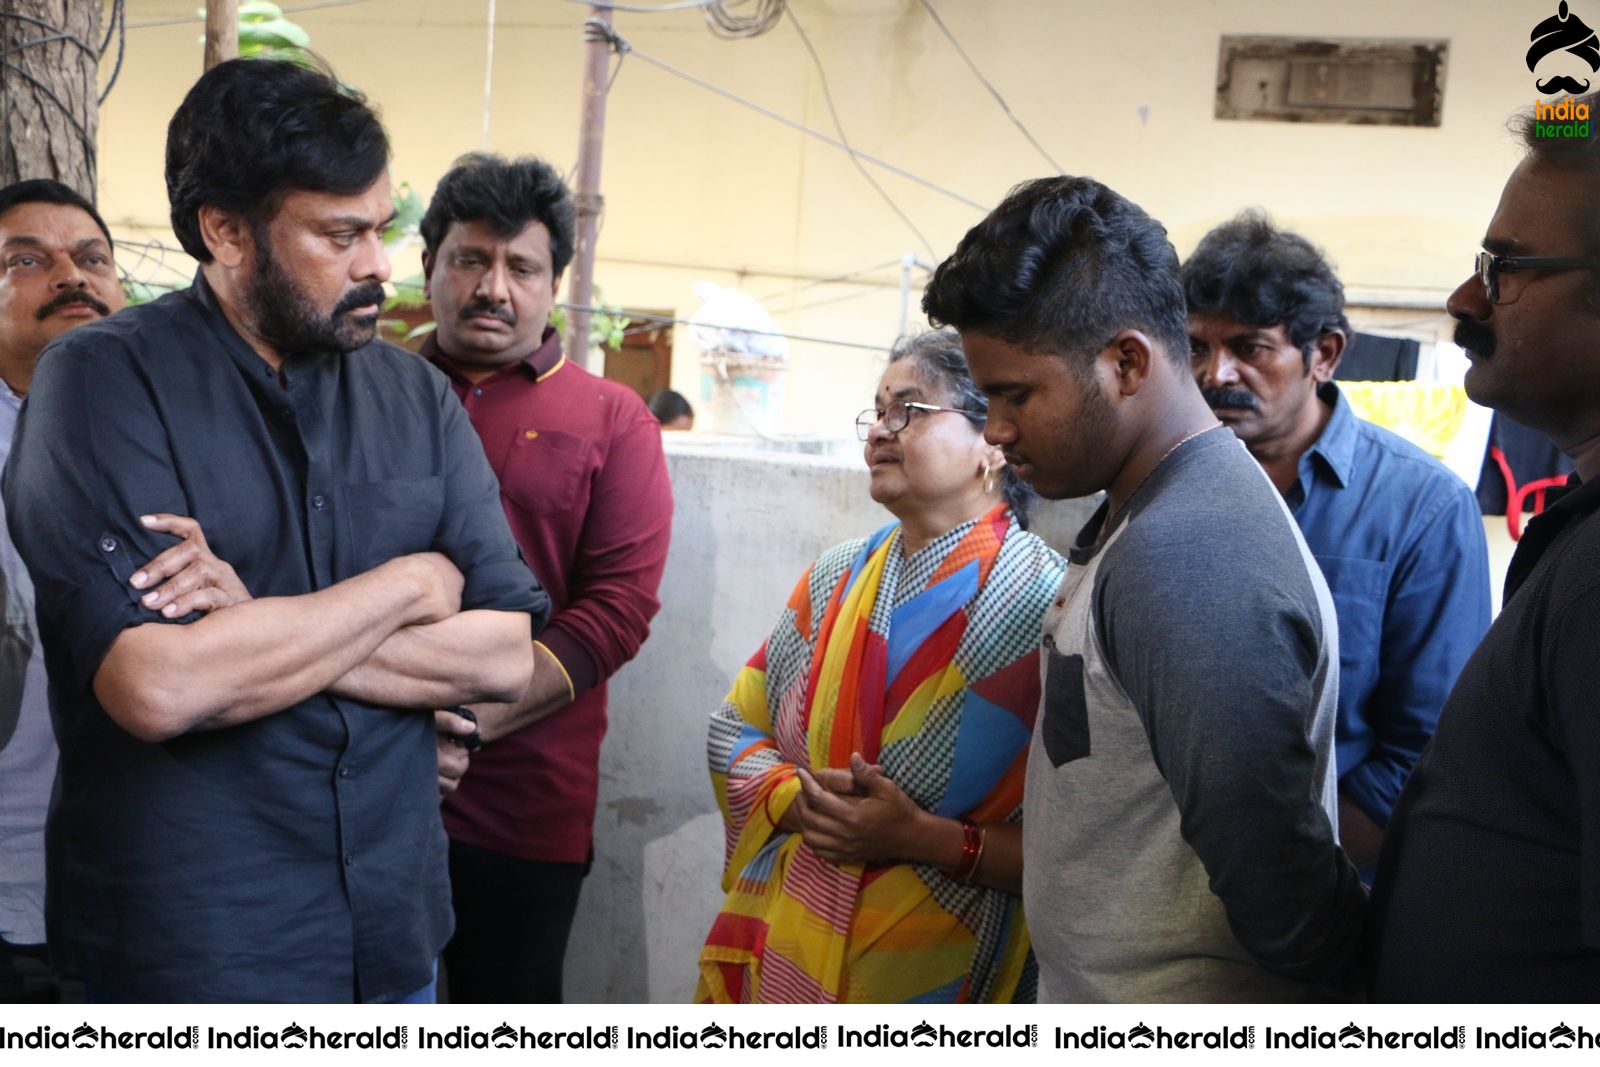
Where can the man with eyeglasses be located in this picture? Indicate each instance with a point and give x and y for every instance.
(1398, 537)
(1488, 888)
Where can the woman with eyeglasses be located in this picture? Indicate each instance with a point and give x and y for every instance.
(869, 759)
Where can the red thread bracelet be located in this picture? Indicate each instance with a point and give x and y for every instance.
(972, 842)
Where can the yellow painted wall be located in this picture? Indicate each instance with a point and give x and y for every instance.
(700, 188)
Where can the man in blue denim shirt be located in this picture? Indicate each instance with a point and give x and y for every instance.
(1399, 538)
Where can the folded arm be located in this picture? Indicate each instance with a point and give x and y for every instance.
(611, 583)
(470, 657)
(255, 658)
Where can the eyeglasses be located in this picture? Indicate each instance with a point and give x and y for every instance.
(1490, 266)
(897, 416)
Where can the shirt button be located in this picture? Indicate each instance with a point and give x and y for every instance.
(477, 392)
(344, 772)
(349, 860)
(108, 544)
(319, 502)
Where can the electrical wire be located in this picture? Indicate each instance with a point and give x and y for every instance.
(646, 9)
(987, 84)
(71, 38)
(838, 298)
(728, 94)
(54, 34)
(827, 96)
(185, 19)
(153, 254)
(49, 94)
(724, 23)
(663, 320)
(719, 16)
(119, 19)
(831, 280)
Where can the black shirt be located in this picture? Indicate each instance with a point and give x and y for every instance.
(1489, 884)
(299, 857)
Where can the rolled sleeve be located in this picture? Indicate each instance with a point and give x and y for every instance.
(89, 458)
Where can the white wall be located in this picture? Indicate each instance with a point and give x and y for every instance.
(746, 526)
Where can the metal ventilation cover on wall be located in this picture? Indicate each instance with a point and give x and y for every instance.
(1372, 81)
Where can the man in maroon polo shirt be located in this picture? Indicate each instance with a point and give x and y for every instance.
(585, 488)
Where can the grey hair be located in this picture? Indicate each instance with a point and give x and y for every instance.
(941, 361)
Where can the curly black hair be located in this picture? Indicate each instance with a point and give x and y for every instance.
(508, 194)
(250, 131)
(1062, 266)
(1257, 274)
(49, 191)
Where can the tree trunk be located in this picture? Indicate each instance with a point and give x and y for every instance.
(49, 113)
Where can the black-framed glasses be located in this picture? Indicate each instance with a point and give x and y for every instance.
(897, 416)
(1490, 266)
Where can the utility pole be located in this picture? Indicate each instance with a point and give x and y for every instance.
(587, 198)
(222, 31)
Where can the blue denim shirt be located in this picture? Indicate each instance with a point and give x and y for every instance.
(1400, 541)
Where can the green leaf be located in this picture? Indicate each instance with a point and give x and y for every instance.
(139, 292)
(408, 212)
(274, 33)
(408, 293)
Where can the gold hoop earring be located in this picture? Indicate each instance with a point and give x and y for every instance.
(988, 477)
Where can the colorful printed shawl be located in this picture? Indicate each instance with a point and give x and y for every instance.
(928, 666)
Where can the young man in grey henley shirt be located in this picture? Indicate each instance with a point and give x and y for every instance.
(1179, 826)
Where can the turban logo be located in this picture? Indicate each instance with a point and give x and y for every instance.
(1564, 31)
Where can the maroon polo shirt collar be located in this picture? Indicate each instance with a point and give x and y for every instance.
(537, 365)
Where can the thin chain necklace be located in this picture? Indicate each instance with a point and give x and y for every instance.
(1105, 527)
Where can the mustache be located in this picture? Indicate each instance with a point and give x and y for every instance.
(493, 311)
(1475, 337)
(1223, 397)
(68, 298)
(360, 296)
(1562, 84)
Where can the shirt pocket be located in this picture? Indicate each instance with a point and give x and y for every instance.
(1065, 729)
(1360, 588)
(546, 472)
(392, 518)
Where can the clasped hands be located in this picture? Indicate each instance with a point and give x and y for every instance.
(854, 815)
